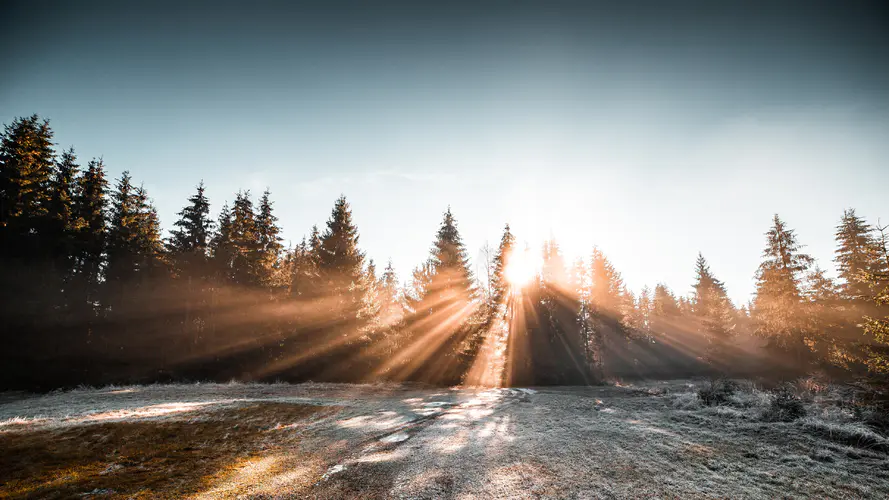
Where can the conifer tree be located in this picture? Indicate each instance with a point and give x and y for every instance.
(189, 243)
(26, 168)
(188, 248)
(341, 267)
(664, 303)
(605, 285)
(62, 220)
(90, 236)
(499, 285)
(245, 242)
(27, 289)
(134, 243)
(855, 255)
(712, 307)
(391, 310)
(877, 322)
(269, 243)
(441, 305)
(644, 306)
(222, 248)
(777, 313)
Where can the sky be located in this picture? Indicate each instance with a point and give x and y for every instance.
(653, 129)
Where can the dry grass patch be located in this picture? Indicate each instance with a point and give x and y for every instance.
(149, 458)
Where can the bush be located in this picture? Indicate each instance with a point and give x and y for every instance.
(848, 434)
(785, 406)
(718, 392)
(686, 401)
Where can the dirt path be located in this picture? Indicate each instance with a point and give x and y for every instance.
(409, 442)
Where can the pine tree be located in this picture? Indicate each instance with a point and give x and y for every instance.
(341, 267)
(90, 237)
(712, 307)
(26, 168)
(391, 310)
(372, 295)
(188, 248)
(499, 285)
(855, 255)
(605, 285)
(440, 308)
(28, 288)
(245, 242)
(134, 243)
(189, 243)
(777, 313)
(664, 303)
(553, 267)
(644, 306)
(556, 340)
(877, 323)
(269, 244)
(222, 248)
(62, 220)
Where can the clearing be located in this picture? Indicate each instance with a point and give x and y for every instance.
(401, 441)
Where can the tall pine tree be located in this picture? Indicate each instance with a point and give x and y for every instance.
(777, 313)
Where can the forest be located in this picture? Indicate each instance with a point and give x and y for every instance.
(95, 293)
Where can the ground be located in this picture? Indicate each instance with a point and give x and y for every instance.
(397, 441)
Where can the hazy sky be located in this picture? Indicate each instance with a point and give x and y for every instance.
(654, 129)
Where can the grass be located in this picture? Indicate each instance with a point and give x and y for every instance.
(142, 459)
(649, 439)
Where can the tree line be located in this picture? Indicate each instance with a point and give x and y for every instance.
(92, 292)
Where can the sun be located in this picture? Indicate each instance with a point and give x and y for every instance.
(519, 269)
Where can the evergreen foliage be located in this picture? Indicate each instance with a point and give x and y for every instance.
(91, 293)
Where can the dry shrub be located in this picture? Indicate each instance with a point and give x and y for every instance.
(718, 392)
(785, 406)
(848, 434)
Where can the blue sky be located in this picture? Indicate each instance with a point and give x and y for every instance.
(652, 129)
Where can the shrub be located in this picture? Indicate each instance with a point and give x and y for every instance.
(848, 434)
(686, 401)
(718, 392)
(785, 406)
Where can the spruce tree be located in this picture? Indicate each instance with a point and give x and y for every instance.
(341, 267)
(855, 255)
(26, 169)
(712, 307)
(876, 323)
(90, 237)
(222, 248)
(556, 340)
(499, 285)
(605, 285)
(441, 307)
(245, 241)
(645, 306)
(269, 244)
(189, 253)
(390, 297)
(777, 313)
(62, 219)
(134, 243)
(189, 241)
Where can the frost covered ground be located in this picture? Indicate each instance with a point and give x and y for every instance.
(392, 441)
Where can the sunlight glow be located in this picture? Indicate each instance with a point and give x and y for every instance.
(520, 268)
